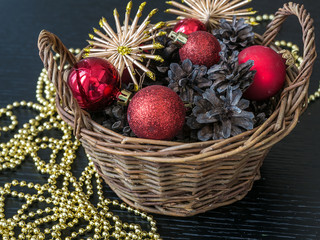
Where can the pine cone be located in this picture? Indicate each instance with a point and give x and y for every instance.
(230, 73)
(263, 109)
(170, 54)
(236, 35)
(220, 116)
(116, 120)
(188, 80)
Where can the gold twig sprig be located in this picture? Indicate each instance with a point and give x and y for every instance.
(129, 45)
(210, 11)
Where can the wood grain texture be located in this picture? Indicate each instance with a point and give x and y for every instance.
(284, 204)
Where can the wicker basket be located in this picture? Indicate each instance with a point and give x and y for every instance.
(184, 179)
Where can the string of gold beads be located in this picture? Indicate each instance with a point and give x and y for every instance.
(64, 207)
(260, 18)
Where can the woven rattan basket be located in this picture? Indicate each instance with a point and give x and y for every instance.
(184, 179)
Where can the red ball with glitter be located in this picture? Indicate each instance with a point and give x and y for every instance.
(202, 48)
(270, 75)
(156, 112)
(189, 25)
(94, 83)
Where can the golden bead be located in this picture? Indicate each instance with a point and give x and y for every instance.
(283, 43)
(289, 44)
(312, 98)
(295, 48)
(259, 18)
(156, 236)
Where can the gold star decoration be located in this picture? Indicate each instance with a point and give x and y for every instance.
(130, 45)
(210, 11)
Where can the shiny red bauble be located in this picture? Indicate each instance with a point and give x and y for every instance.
(156, 112)
(189, 25)
(202, 48)
(270, 75)
(94, 83)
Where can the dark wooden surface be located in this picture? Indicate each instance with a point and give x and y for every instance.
(284, 204)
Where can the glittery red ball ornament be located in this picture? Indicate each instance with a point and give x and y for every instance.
(156, 112)
(189, 25)
(270, 75)
(202, 48)
(94, 83)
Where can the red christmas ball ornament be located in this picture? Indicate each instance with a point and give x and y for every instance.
(189, 25)
(94, 83)
(270, 75)
(156, 112)
(202, 48)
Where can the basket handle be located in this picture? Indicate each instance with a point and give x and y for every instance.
(309, 53)
(47, 44)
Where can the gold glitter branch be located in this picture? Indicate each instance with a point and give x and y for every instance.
(210, 11)
(124, 48)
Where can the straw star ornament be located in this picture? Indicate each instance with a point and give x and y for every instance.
(210, 11)
(129, 45)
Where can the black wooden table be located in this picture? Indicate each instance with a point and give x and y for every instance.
(284, 204)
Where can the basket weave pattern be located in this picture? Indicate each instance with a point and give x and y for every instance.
(184, 179)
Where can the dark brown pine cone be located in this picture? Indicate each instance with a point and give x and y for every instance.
(188, 80)
(116, 119)
(237, 35)
(170, 54)
(219, 117)
(230, 73)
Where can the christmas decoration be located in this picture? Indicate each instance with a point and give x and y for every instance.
(189, 25)
(125, 48)
(220, 116)
(210, 11)
(170, 53)
(188, 80)
(202, 48)
(156, 112)
(94, 83)
(116, 120)
(270, 72)
(236, 35)
(229, 73)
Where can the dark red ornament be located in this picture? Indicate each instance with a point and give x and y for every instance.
(202, 48)
(94, 83)
(189, 25)
(126, 78)
(156, 112)
(270, 75)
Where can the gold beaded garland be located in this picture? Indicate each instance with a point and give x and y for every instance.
(64, 207)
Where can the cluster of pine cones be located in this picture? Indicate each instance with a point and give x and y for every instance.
(216, 109)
